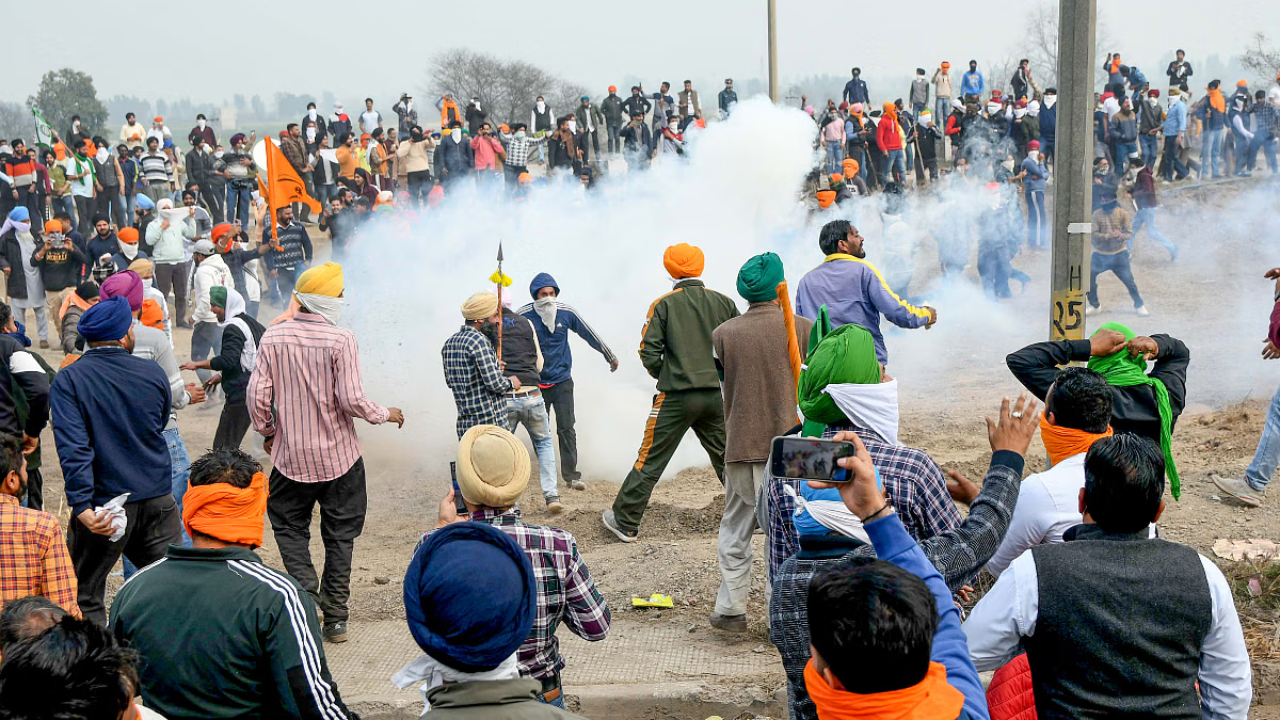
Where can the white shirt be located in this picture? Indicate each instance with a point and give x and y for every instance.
(1008, 613)
(369, 120)
(1048, 505)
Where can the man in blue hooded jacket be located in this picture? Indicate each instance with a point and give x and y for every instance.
(553, 320)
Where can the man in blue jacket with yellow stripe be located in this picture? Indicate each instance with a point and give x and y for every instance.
(553, 320)
(853, 289)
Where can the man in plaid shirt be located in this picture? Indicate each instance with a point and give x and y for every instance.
(471, 368)
(33, 547)
(519, 144)
(566, 592)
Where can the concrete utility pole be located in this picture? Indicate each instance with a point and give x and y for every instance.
(1073, 171)
(773, 51)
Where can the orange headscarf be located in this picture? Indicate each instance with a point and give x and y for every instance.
(152, 314)
(1064, 442)
(850, 167)
(226, 512)
(825, 198)
(684, 261)
(929, 699)
(890, 110)
(1217, 100)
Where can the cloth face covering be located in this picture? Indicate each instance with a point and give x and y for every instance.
(546, 309)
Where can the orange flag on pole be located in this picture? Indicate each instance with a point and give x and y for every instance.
(283, 187)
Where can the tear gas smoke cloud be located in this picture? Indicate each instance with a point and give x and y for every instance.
(734, 195)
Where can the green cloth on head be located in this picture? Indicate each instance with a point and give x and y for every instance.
(1124, 370)
(759, 277)
(846, 356)
(218, 296)
(821, 329)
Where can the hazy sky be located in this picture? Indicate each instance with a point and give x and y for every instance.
(268, 45)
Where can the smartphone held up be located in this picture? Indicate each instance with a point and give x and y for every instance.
(801, 458)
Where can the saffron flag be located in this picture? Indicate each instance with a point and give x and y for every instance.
(282, 186)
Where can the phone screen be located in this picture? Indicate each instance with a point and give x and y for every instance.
(798, 458)
(458, 504)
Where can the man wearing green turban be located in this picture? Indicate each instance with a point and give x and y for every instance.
(1147, 402)
(759, 355)
(844, 387)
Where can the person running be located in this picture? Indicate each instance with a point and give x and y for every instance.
(1112, 230)
(553, 320)
(234, 363)
(853, 290)
(303, 395)
(676, 350)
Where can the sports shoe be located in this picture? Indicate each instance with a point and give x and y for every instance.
(1092, 309)
(336, 632)
(1238, 489)
(1143, 311)
(729, 623)
(576, 484)
(554, 506)
(611, 524)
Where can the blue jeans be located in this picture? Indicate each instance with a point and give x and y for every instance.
(180, 475)
(1267, 456)
(1211, 153)
(1123, 151)
(941, 112)
(530, 410)
(130, 202)
(835, 156)
(1118, 264)
(238, 204)
(894, 159)
(66, 204)
(1147, 217)
(1268, 146)
(1150, 149)
(1037, 219)
(1171, 162)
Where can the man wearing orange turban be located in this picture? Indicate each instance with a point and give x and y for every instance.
(676, 350)
(268, 654)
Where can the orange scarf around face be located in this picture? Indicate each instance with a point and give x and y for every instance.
(931, 698)
(226, 512)
(152, 314)
(1217, 100)
(1064, 442)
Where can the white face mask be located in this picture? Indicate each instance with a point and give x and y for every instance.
(76, 126)
(408, 106)
(311, 113)
(1034, 155)
(573, 126)
(311, 134)
(520, 134)
(542, 106)
(1007, 165)
(200, 124)
(456, 135)
(1050, 101)
(993, 108)
(219, 154)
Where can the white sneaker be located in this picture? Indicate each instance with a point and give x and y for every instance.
(1090, 310)
(1143, 311)
(1238, 489)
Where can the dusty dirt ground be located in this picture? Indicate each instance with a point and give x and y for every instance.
(1213, 298)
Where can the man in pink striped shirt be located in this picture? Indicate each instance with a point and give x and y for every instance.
(303, 397)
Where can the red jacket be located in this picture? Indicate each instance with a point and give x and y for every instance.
(1010, 695)
(887, 136)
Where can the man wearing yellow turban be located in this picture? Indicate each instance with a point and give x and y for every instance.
(303, 396)
(471, 368)
(676, 350)
(269, 659)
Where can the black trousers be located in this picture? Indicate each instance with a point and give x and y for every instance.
(343, 503)
(35, 489)
(559, 398)
(153, 526)
(84, 214)
(232, 426)
(216, 199)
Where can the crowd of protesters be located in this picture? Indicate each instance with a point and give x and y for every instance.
(1092, 612)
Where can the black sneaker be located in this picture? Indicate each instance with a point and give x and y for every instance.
(336, 632)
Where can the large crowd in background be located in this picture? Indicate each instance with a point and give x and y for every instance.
(1092, 612)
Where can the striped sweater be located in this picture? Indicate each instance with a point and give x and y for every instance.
(156, 167)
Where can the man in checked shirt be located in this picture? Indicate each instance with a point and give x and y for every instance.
(472, 370)
(33, 547)
(493, 472)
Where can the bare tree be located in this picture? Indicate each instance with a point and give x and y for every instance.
(506, 89)
(1261, 57)
(16, 121)
(1040, 45)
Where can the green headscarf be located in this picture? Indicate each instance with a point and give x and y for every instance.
(1124, 370)
(218, 296)
(847, 355)
(759, 277)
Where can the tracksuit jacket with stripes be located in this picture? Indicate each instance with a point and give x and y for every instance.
(224, 636)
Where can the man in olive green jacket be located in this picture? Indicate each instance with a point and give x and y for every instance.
(676, 350)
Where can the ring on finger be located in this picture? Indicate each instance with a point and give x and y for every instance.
(1016, 414)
